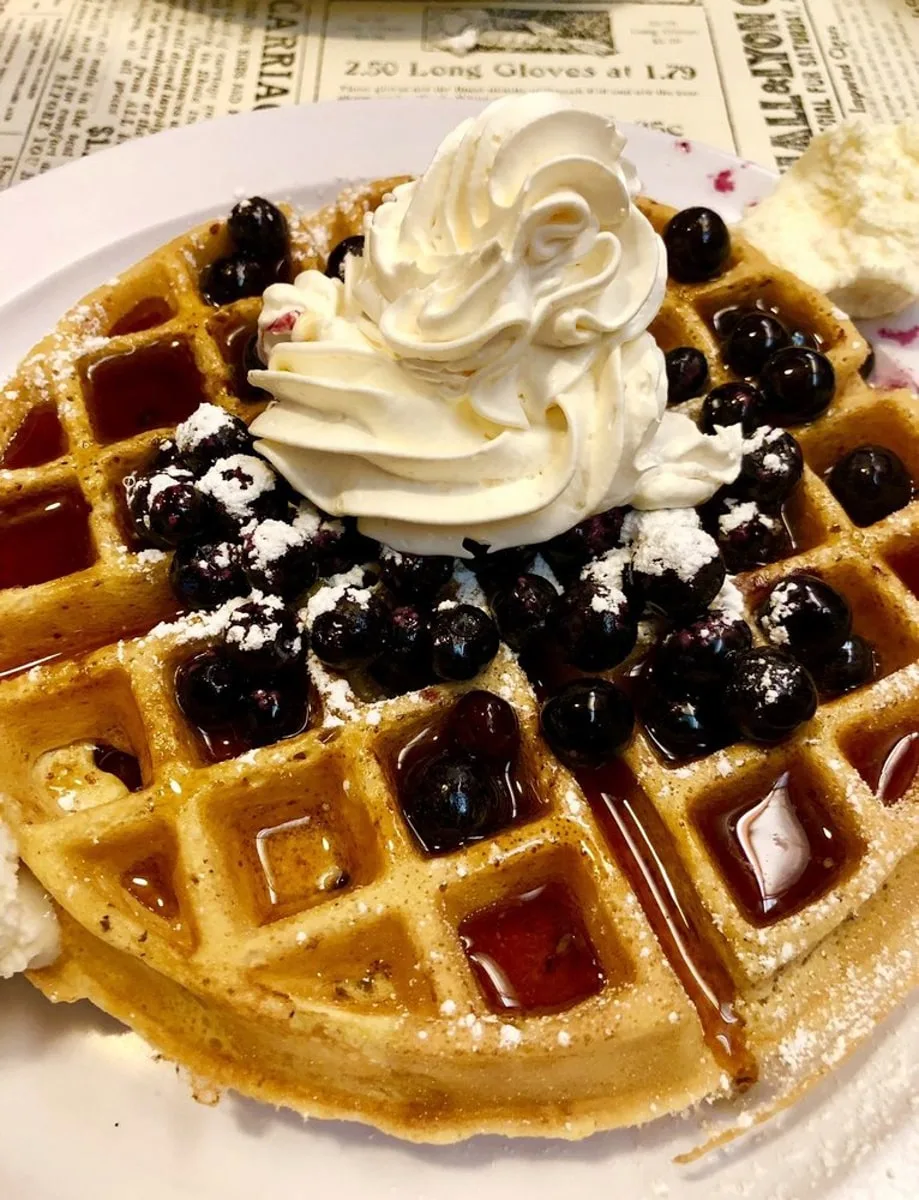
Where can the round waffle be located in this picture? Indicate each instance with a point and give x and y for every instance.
(197, 908)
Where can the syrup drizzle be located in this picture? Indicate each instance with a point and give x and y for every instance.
(650, 861)
(532, 952)
(45, 540)
(146, 314)
(648, 857)
(149, 387)
(891, 770)
(150, 883)
(38, 439)
(777, 849)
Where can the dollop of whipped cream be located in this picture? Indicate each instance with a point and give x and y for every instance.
(485, 370)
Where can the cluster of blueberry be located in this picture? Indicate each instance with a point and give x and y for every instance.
(241, 536)
(787, 380)
(260, 256)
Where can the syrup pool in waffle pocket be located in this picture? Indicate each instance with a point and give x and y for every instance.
(338, 808)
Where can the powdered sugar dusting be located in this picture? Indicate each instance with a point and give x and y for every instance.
(349, 584)
(668, 539)
(606, 577)
(236, 482)
(206, 421)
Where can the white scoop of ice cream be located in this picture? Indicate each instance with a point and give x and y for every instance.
(845, 218)
(29, 934)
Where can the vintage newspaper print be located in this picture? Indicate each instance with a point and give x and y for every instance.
(758, 77)
(649, 62)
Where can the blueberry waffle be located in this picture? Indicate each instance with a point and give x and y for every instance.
(553, 840)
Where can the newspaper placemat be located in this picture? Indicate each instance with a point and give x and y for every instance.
(755, 77)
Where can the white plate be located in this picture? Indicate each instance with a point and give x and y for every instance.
(85, 1110)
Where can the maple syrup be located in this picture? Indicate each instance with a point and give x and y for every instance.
(532, 952)
(294, 854)
(777, 849)
(126, 631)
(233, 334)
(120, 763)
(517, 799)
(44, 539)
(38, 439)
(222, 742)
(649, 859)
(150, 882)
(149, 387)
(890, 766)
(146, 314)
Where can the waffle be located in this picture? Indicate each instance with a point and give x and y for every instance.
(198, 909)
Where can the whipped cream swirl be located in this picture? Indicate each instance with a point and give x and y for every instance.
(485, 370)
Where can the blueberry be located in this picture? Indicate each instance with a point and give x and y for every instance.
(679, 595)
(165, 455)
(687, 373)
(587, 722)
(748, 537)
(414, 577)
(525, 610)
(275, 708)
(698, 245)
(233, 278)
(258, 229)
(771, 467)
(853, 665)
(699, 657)
(732, 404)
(686, 727)
(805, 616)
(209, 689)
(870, 482)
(802, 337)
(351, 634)
(341, 546)
(485, 725)
(264, 635)
(166, 508)
(279, 559)
(464, 640)
(495, 570)
(204, 577)
(590, 538)
(124, 766)
(596, 631)
(405, 664)
(770, 695)
(725, 319)
(213, 434)
(866, 370)
(755, 337)
(335, 267)
(450, 800)
(798, 384)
